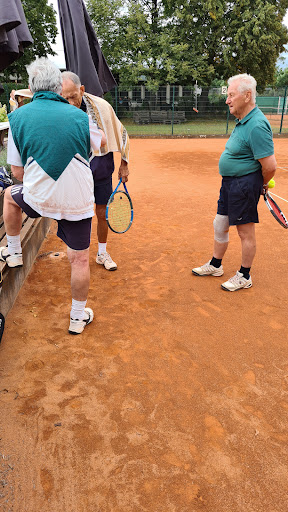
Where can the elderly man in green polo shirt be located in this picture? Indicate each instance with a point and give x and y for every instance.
(246, 166)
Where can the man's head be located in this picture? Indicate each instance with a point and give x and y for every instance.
(72, 90)
(241, 95)
(44, 76)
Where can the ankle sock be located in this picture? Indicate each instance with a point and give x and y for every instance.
(14, 244)
(215, 262)
(77, 310)
(245, 271)
(101, 248)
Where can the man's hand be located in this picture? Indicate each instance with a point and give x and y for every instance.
(123, 172)
(269, 166)
(18, 172)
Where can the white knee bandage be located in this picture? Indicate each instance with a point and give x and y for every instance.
(221, 228)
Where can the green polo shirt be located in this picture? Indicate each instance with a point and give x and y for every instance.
(250, 140)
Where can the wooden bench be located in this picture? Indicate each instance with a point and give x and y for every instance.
(178, 116)
(159, 116)
(32, 235)
(141, 117)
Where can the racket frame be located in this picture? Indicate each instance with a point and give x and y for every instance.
(111, 198)
(283, 222)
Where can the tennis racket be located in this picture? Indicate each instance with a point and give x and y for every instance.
(275, 210)
(119, 210)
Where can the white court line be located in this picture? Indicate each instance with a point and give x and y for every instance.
(283, 168)
(278, 197)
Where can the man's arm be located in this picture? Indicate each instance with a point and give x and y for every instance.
(269, 166)
(94, 135)
(18, 172)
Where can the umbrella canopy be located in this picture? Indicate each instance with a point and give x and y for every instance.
(83, 54)
(14, 32)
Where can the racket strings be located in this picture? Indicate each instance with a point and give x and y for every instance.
(276, 211)
(119, 212)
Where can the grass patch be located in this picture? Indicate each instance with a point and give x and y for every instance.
(201, 127)
(191, 128)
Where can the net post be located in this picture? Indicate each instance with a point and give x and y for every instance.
(283, 109)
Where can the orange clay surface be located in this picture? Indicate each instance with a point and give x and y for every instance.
(175, 398)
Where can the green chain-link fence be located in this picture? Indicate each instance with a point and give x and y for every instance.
(182, 111)
(188, 111)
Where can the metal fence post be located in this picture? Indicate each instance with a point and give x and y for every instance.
(116, 100)
(283, 109)
(7, 103)
(173, 102)
(227, 121)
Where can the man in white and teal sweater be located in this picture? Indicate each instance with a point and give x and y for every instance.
(49, 143)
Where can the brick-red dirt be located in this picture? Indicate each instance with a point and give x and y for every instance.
(175, 398)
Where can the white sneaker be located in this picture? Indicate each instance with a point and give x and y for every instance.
(12, 260)
(208, 270)
(106, 260)
(78, 326)
(237, 282)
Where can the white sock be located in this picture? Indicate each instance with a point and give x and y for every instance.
(101, 248)
(14, 244)
(77, 309)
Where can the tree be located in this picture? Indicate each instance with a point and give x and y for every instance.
(281, 78)
(41, 20)
(240, 37)
(137, 41)
(173, 41)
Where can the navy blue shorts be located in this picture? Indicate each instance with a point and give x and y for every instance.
(239, 197)
(102, 192)
(74, 233)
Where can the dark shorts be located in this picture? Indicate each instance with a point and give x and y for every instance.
(239, 197)
(76, 234)
(102, 192)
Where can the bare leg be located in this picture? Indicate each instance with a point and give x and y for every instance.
(12, 215)
(219, 249)
(247, 235)
(80, 273)
(102, 226)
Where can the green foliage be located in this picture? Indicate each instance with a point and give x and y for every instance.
(281, 79)
(8, 87)
(41, 20)
(179, 42)
(3, 114)
(3, 159)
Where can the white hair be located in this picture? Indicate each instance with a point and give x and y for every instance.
(246, 83)
(69, 75)
(44, 76)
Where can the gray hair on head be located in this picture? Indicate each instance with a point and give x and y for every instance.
(44, 76)
(69, 75)
(246, 83)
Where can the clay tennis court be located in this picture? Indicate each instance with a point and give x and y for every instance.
(175, 399)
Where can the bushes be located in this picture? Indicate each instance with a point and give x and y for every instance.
(3, 114)
(3, 159)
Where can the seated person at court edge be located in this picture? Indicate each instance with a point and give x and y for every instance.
(246, 166)
(49, 142)
(102, 165)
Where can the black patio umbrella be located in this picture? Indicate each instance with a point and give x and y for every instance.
(14, 32)
(83, 54)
